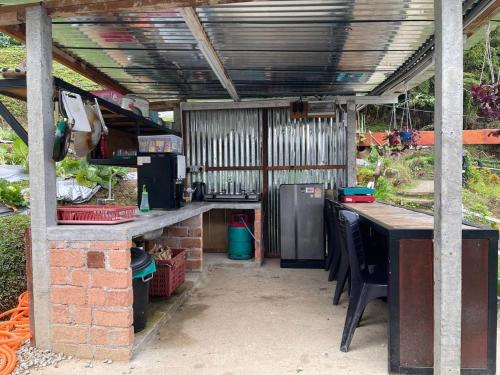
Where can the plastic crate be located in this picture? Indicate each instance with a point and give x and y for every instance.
(170, 274)
(358, 190)
(160, 143)
(95, 214)
(357, 198)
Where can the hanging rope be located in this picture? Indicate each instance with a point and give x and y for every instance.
(487, 58)
(393, 123)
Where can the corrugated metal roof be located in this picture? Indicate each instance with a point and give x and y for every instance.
(269, 48)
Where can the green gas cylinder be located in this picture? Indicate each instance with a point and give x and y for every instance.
(239, 238)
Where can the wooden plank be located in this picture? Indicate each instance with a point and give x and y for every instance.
(416, 303)
(483, 18)
(305, 167)
(277, 168)
(15, 14)
(392, 217)
(426, 138)
(474, 303)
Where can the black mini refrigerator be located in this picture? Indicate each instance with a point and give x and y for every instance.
(302, 239)
(162, 174)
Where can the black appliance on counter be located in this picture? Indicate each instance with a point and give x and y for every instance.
(163, 175)
(199, 191)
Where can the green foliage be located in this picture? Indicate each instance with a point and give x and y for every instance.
(7, 134)
(420, 164)
(89, 175)
(11, 194)
(20, 153)
(15, 153)
(364, 175)
(7, 41)
(383, 189)
(12, 259)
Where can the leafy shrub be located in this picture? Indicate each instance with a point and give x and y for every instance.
(88, 175)
(383, 189)
(11, 194)
(15, 153)
(12, 259)
(364, 175)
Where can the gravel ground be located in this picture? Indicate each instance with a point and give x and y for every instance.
(29, 358)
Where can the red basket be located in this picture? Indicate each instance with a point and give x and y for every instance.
(95, 214)
(169, 275)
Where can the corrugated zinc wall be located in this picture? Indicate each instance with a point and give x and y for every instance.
(316, 141)
(233, 138)
(225, 138)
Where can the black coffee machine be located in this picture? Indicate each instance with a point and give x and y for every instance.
(199, 191)
(162, 174)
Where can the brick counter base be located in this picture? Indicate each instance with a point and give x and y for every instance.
(188, 235)
(91, 290)
(91, 295)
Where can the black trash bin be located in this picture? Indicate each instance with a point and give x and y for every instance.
(143, 268)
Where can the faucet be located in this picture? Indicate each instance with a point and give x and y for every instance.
(110, 197)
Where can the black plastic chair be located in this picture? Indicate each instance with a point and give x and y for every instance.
(333, 258)
(343, 272)
(365, 286)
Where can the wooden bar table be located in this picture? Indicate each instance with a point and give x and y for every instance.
(408, 236)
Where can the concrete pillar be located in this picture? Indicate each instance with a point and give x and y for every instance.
(448, 124)
(351, 148)
(41, 165)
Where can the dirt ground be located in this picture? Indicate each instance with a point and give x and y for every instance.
(257, 321)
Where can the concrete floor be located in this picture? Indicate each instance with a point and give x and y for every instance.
(256, 321)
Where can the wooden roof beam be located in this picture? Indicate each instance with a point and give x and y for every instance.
(18, 32)
(15, 14)
(194, 24)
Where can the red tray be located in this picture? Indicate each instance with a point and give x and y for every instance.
(95, 214)
(357, 198)
(169, 275)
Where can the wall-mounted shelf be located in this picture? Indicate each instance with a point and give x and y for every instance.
(129, 162)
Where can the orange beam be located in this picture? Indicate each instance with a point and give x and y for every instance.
(470, 137)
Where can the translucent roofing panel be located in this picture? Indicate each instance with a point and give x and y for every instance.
(268, 48)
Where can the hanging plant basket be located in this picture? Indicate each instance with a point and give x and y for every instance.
(487, 97)
(402, 139)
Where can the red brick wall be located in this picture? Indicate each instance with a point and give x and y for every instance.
(92, 299)
(187, 235)
(91, 289)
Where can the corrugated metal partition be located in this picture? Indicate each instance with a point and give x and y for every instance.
(228, 144)
(221, 139)
(315, 142)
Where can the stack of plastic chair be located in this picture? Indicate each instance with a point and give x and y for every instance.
(364, 286)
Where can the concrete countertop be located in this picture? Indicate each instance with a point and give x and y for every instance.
(142, 224)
